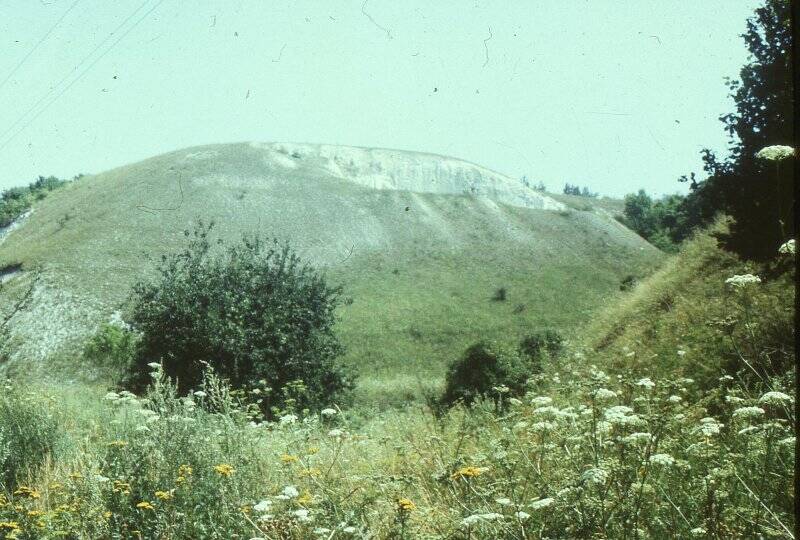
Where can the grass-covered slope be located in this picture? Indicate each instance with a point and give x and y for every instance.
(421, 253)
(685, 319)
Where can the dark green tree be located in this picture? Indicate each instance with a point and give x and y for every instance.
(253, 311)
(757, 194)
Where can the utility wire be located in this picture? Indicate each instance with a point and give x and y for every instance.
(44, 37)
(80, 76)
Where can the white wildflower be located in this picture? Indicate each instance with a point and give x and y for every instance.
(349, 530)
(748, 412)
(662, 459)
(604, 393)
(548, 409)
(733, 399)
(621, 415)
(698, 531)
(740, 281)
(200, 394)
(290, 491)
(681, 352)
(335, 433)
(111, 396)
(541, 503)
(674, 399)
(748, 430)
(595, 476)
(328, 412)
(541, 401)
(262, 506)
(154, 365)
(787, 248)
(522, 516)
(638, 438)
(321, 531)
(646, 382)
(287, 419)
(505, 501)
(776, 152)
(543, 426)
(709, 426)
(775, 398)
(515, 402)
(302, 515)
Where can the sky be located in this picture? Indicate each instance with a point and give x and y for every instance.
(616, 95)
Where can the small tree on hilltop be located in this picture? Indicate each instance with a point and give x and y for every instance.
(253, 311)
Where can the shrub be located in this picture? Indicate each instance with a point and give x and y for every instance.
(535, 345)
(29, 434)
(483, 371)
(252, 311)
(499, 295)
(113, 346)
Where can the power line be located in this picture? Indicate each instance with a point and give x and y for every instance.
(44, 37)
(80, 75)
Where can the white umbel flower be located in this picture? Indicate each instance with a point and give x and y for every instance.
(739, 281)
(775, 398)
(328, 412)
(788, 247)
(542, 503)
(665, 460)
(775, 152)
(748, 412)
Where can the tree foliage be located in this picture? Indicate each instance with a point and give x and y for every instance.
(253, 311)
(757, 194)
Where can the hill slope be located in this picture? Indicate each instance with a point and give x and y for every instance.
(419, 241)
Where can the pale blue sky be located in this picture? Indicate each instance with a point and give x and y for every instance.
(613, 94)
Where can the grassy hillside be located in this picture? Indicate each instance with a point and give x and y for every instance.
(685, 319)
(421, 266)
(613, 440)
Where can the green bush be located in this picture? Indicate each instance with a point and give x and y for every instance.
(535, 345)
(112, 347)
(252, 311)
(29, 434)
(486, 370)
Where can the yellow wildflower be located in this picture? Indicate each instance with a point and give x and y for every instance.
(184, 470)
(107, 514)
(287, 459)
(30, 493)
(75, 476)
(164, 495)
(12, 525)
(121, 487)
(35, 513)
(145, 505)
(313, 450)
(305, 498)
(118, 444)
(246, 509)
(223, 469)
(405, 505)
(311, 472)
(466, 472)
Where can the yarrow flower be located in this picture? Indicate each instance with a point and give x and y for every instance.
(646, 382)
(328, 412)
(223, 469)
(288, 419)
(775, 398)
(740, 281)
(748, 412)
(405, 505)
(466, 472)
(541, 503)
(709, 426)
(662, 459)
(604, 393)
(787, 248)
(595, 476)
(775, 152)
